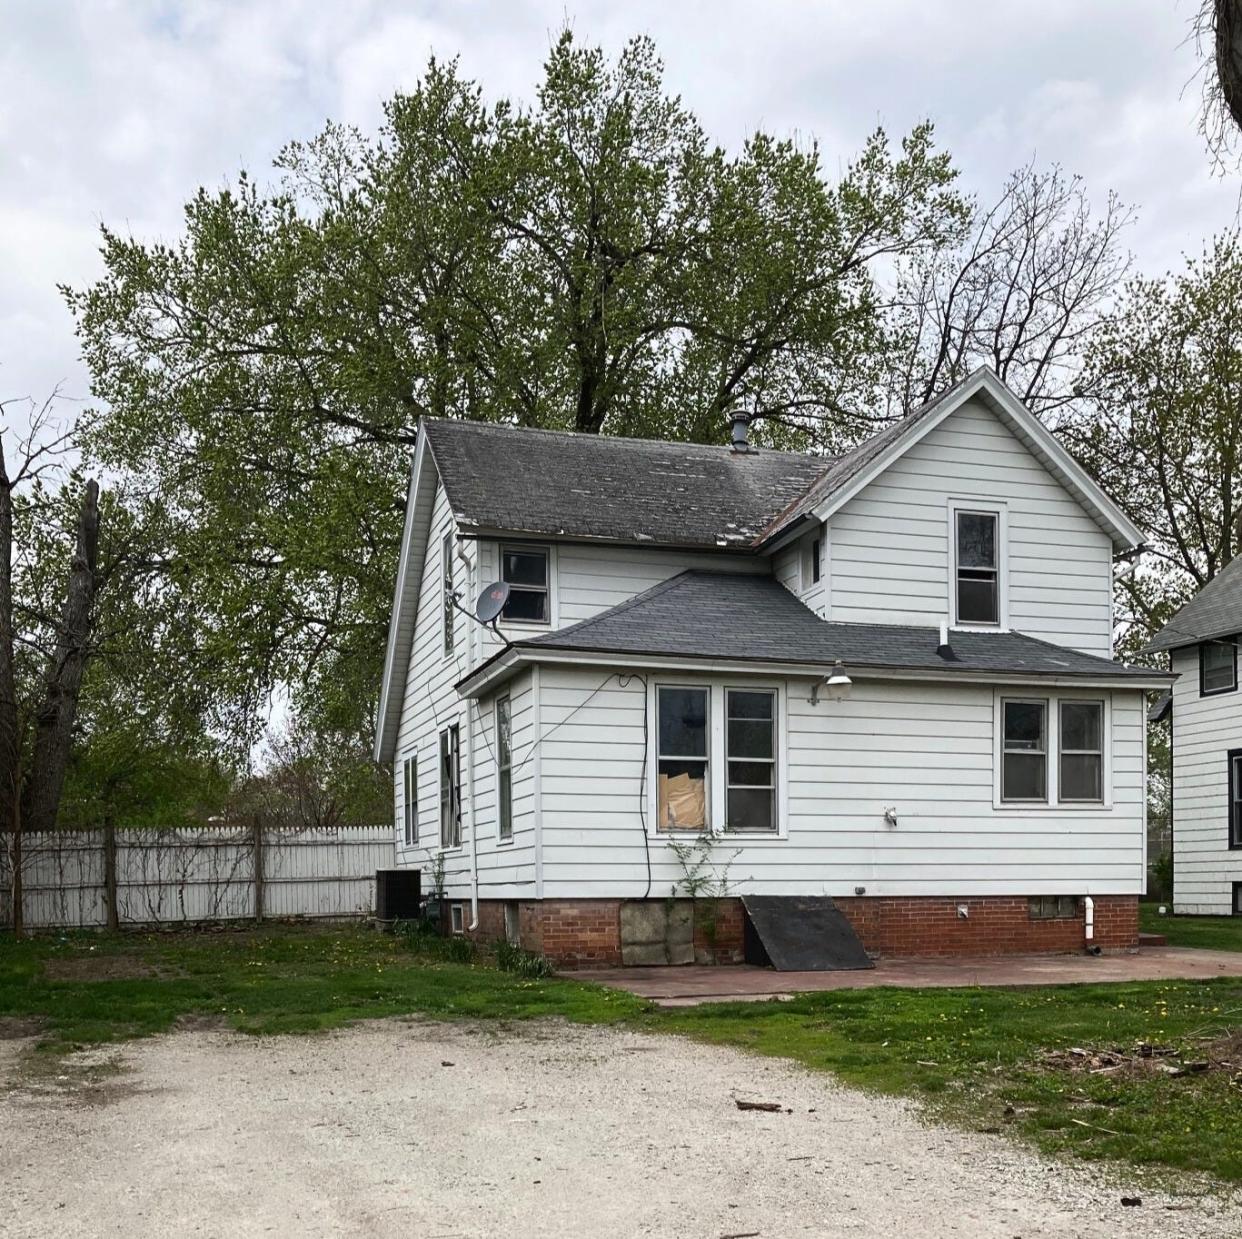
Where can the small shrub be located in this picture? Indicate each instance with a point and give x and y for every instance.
(423, 938)
(510, 958)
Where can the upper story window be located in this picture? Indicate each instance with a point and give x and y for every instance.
(446, 585)
(817, 559)
(525, 570)
(1218, 667)
(977, 585)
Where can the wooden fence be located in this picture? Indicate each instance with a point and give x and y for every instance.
(74, 879)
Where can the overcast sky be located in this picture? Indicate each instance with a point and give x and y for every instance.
(117, 110)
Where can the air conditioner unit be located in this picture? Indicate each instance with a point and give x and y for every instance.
(397, 894)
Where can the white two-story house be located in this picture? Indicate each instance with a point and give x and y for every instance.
(884, 678)
(1201, 641)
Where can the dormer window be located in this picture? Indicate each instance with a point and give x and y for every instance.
(525, 570)
(977, 574)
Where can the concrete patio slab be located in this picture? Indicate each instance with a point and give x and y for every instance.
(689, 985)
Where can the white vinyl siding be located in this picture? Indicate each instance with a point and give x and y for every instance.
(928, 750)
(1205, 730)
(890, 546)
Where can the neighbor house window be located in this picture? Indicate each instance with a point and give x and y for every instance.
(1218, 667)
(1053, 907)
(1024, 757)
(681, 758)
(450, 788)
(1081, 747)
(750, 751)
(1235, 798)
(504, 771)
(446, 581)
(977, 563)
(525, 570)
(409, 807)
(1237, 899)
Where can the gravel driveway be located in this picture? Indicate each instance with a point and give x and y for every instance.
(419, 1129)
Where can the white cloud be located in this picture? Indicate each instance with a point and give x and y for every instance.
(117, 111)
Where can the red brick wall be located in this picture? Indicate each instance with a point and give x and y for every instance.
(586, 933)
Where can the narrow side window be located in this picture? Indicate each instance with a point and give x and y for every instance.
(450, 788)
(681, 758)
(1235, 798)
(817, 559)
(977, 562)
(1024, 755)
(409, 780)
(446, 580)
(504, 771)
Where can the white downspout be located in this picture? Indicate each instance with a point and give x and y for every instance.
(465, 561)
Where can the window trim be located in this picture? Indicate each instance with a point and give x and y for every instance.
(449, 615)
(1046, 752)
(1233, 806)
(453, 730)
(409, 803)
(504, 765)
(537, 548)
(1062, 752)
(716, 747)
(1230, 688)
(987, 507)
(1054, 802)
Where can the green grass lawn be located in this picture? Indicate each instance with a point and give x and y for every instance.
(974, 1056)
(1219, 933)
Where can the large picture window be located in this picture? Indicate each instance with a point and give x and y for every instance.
(525, 570)
(681, 758)
(977, 565)
(1081, 748)
(504, 771)
(1218, 667)
(1024, 756)
(750, 750)
(409, 804)
(450, 788)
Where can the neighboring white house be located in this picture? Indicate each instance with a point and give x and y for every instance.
(659, 669)
(1202, 644)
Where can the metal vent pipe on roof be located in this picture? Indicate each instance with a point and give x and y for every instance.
(741, 426)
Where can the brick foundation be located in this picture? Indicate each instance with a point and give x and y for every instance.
(586, 933)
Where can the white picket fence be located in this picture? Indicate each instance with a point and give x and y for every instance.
(181, 876)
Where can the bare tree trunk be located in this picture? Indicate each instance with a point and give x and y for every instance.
(8, 678)
(111, 910)
(54, 721)
(260, 876)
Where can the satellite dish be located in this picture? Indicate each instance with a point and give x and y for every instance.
(491, 602)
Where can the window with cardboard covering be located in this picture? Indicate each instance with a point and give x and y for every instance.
(681, 758)
(750, 752)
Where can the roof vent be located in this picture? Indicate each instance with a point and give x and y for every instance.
(741, 425)
(944, 649)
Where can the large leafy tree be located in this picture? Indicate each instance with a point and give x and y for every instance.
(1164, 435)
(590, 262)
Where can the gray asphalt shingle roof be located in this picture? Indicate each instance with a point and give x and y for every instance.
(754, 618)
(555, 483)
(1215, 611)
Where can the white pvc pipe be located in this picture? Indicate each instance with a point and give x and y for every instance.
(1089, 908)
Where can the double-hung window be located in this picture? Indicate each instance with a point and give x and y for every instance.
(682, 758)
(1218, 667)
(446, 583)
(504, 771)
(450, 787)
(409, 804)
(1081, 747)
(525, 570)
(750, 743)
(1024, 751)
(977, 582)
(1235, 798)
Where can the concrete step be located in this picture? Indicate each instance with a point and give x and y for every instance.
(1153, 940)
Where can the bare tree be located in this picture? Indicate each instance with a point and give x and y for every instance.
(1024, 292)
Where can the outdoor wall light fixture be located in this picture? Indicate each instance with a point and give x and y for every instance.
(837, 685)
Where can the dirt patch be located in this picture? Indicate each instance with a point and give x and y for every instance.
(107, 968)
(89, 1079)
(1210, 1056)
(20, 1027)
(201, 1021)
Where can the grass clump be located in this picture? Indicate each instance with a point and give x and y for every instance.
(510, 958)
